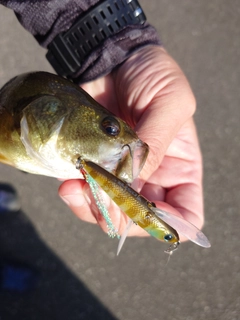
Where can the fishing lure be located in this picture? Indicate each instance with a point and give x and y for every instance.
(158, 223)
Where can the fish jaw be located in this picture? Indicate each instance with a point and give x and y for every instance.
(134, 156)
(125, 161)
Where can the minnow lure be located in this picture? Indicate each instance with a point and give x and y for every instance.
(158, 223)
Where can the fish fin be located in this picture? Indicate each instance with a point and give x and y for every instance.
(183, 227)
(43, 116)
(39, 153)
(124, 235)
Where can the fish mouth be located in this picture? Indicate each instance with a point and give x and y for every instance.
(133, 157)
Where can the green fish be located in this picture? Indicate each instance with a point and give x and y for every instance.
(48, 122)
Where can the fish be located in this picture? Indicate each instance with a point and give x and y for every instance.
(50, 126)
(48, 122)
(158, 223)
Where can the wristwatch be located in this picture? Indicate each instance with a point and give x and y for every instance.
(68, 50)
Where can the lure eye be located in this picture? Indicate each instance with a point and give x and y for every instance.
(111, 126)
(168, 237)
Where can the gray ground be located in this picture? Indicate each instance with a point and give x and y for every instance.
(80, 277)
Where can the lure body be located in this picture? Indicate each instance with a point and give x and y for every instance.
(158, 223)
(47, 122)
(136, 207)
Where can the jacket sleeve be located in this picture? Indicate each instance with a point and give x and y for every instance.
(46, 19)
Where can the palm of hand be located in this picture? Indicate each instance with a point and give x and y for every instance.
(150, 92)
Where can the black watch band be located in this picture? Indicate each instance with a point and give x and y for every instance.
(69, 49)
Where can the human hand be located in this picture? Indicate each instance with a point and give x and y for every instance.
(150, 92)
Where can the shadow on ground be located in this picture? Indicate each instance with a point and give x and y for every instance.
(58, 294)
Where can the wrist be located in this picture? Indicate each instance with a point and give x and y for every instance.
(75, 53)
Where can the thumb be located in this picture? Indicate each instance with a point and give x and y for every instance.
(162, 120)
(159, 97)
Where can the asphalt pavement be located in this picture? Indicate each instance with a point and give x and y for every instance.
(79, 275)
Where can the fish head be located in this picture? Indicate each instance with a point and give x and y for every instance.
(53, 122)
(99, 136)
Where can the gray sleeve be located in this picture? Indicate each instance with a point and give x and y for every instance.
(46, 19)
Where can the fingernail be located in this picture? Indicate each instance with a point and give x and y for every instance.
(74, 200)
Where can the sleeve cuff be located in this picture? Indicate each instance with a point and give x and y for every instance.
(115, 50)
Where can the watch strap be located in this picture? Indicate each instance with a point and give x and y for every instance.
(68, 50)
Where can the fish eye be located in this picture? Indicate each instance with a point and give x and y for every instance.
(168, 237)
(111, 126)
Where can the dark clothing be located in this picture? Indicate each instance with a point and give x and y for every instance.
(46, 19)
